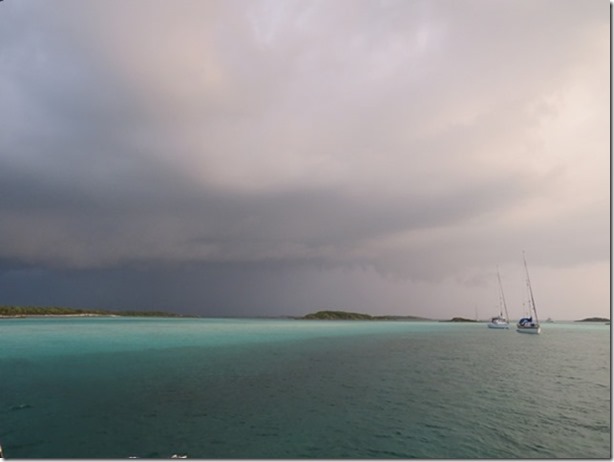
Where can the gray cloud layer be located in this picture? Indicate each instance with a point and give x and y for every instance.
(420, 140)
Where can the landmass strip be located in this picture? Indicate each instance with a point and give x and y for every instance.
(347, 315)
(23, 311)
(10, 311)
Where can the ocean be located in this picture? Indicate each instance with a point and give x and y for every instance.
(115, 388)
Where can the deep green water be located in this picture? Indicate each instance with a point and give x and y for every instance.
(120, 387)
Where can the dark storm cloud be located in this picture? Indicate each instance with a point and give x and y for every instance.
(398, 139)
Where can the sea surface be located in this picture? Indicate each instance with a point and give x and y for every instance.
(251, 388)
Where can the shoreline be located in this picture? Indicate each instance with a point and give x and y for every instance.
(80, 315)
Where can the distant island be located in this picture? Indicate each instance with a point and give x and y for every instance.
(23, 311)
(347, 315)
(460, 320)
(593, 320)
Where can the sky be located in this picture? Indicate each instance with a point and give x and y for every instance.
(280, 157)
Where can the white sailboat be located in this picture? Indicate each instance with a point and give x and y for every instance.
(500, 322)
(529, 325)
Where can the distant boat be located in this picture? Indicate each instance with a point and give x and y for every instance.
(500, 322)
(528, 325)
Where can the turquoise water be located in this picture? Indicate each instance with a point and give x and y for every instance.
(213, 388)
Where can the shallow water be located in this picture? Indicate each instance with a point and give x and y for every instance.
(252, 388)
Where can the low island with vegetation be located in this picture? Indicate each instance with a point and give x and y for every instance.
(347, 315)
(459, 319)
(594, 320)
(9, 311)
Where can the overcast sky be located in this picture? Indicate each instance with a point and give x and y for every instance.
(282, 157)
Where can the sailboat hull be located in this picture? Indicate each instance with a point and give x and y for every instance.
(495, 325)
(529, 330)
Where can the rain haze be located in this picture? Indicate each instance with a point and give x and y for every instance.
(263, 158)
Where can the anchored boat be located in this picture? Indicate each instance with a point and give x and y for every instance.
(500, 322)
(529, 325)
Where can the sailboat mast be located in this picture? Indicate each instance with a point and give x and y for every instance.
(530, 289)
(507, 318)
